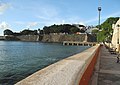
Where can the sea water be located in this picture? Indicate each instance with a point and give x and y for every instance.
(20, 59)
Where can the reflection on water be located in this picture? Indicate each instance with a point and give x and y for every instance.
(20, 59)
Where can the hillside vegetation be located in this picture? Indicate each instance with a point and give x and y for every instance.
(63, 28)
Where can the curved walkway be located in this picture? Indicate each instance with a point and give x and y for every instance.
(107, 70)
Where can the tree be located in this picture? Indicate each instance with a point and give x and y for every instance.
(65, 28)
(46, 29)
(95, 31)
(8, 32)
(106, 28)
(101, 36)
(29, 32)
(35, 32)
(74, 30)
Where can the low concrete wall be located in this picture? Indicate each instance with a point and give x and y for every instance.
(74, 70)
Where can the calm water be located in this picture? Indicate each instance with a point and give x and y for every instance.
(20, 59)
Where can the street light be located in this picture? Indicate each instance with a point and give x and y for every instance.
(99, 10)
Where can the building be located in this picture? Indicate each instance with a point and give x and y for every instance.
(90, 29)
(116, 35)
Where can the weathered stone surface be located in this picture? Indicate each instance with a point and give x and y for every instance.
(67, 37)
(54, 37)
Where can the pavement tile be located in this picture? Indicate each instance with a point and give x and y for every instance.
(109, 71)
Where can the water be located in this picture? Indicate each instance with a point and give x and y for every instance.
(20, 59)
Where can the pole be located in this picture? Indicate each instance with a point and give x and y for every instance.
(99, 10)
(99, 20)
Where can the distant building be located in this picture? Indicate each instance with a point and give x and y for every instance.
(89, 30)
(81, 27)
(116, 35)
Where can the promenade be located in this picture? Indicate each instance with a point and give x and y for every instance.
(107, 71)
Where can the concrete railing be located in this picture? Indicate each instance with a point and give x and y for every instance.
(74, 70)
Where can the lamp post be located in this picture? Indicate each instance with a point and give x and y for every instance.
(99, 10)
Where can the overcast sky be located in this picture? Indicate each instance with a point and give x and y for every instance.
(33, 14)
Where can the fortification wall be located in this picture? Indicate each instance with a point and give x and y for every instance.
(68, 37)
(54, 38)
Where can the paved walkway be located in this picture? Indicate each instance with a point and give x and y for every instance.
(107, 71)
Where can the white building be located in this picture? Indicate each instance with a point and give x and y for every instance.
(116, 35)
(89, 30)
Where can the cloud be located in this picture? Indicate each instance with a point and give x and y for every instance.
(26, 24)
(47, 11)
(4, 7)
(56, 19)
(43, 17)
(4, 25)
(50, 15)
(32, 24)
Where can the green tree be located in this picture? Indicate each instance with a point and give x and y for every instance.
(65, 28)
(95, 31)
(35, 32)
(29, 32)
(46, 30)
(74, 30)
(101, 36)
(106, 28)
(8, 32)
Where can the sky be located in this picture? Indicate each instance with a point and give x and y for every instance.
(18, 15)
